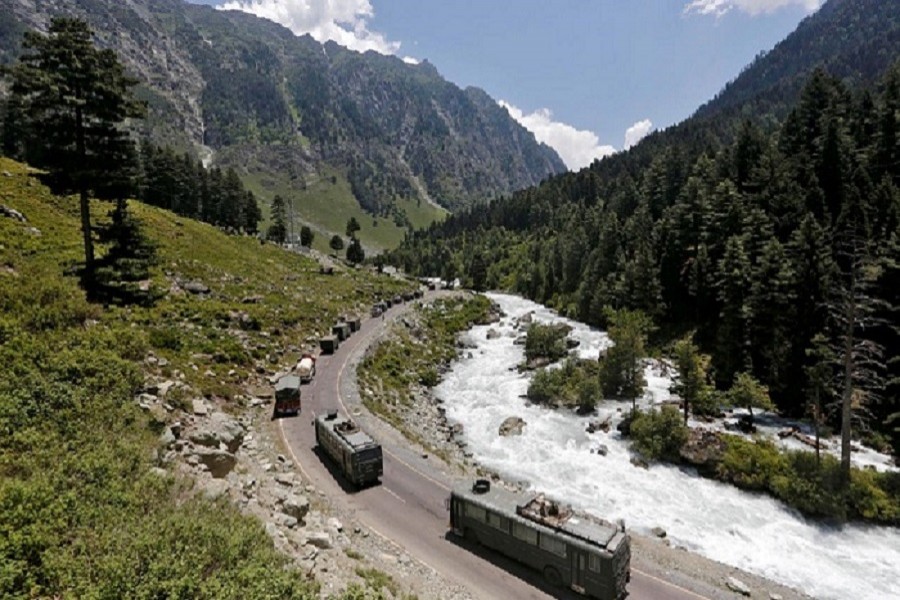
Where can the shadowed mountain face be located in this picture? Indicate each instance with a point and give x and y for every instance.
(288, 110)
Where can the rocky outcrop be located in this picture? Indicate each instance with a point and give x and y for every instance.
(512, 426)
(219, 430)
(218, 462)
(703, 450)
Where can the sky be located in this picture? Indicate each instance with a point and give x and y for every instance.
(587, 77)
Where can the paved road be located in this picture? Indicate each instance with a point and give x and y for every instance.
(409, 507)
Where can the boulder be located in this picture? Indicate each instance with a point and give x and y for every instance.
(166, 438)
(219, 462)
(215, 489)
(219, 429)
(296, 506)
(658, 532)
(319, 539)
(195, 287)
(595, 426)
(198, 407)
(601, 450)
(493, 334)
(512, 426)
(12, 213)
(704, 450)
(736, 585)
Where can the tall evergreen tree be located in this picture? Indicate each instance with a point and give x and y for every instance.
(621, 366)
(306, 236)
(355, 252)
(278, 229)
(75, 99)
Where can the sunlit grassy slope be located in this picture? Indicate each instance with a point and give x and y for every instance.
(81, 514)
(327, 203)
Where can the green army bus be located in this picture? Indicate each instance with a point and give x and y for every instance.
(353, 450)
(586, 554)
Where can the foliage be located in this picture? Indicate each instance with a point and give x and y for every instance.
(621, 366)
(336, 243)
(692, 385)
(355, 252)
(658, 434)
(747, 392)
(574, 383)
(546, 341)
(182, 184)
(73, 99)
(352, 227)
(306, 236)
(123, 274)
(278, 229)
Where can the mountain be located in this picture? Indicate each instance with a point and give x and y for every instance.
(735, 224)
(396, 140)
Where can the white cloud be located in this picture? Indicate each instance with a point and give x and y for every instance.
(577, 147)
(637, 132)
(410, 60)
(343, 21)
(751, 7)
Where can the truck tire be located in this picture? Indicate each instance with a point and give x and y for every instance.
(552, 577)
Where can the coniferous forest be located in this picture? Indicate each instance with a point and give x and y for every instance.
(779, 250)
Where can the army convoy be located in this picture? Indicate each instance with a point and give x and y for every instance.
(356, 454)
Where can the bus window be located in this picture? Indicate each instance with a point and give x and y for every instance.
(526, 534)
(476, 512)
(594, 563)
(498, 522)
(553, 545)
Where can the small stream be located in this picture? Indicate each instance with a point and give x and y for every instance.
(749, 531)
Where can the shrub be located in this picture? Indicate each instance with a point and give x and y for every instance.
(750, 465)
(659, 434)
(546, 341)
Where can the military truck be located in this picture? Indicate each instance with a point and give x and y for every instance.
(356, 454)
(329, 344)
(287, 396)
(355, 323)
(306, 368)
(341, 330)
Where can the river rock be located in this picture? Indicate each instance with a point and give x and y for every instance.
(493, 334)
(601, 450)
(219, 462)
(704, 450)
(595, 426)
(736, 585)
(512, 426)
(658, 532)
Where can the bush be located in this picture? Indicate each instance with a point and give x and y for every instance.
(750, 465)
(575, 383)
(659, 434)
(546, 341)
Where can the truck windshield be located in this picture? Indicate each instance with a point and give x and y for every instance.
(370, 455)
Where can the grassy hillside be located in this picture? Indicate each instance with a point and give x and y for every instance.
(81, 513)
(326, 203)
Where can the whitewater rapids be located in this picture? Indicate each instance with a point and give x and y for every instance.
(749, 531)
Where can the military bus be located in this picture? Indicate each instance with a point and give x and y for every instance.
(586, 554)
(353, 450)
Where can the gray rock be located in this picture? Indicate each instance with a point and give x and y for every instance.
(774, 596)
(166, 438)
(219, 462)
(319, 539)
(288, 521)
(198, 407)
(512, 426)
(164, 387)
(736, 585)
(602, 450)
(658, 532)
(296, 506)
(215, 489)
(195, 287)
(335, 524)
(493, 334)
(219, 429)
(284, 479)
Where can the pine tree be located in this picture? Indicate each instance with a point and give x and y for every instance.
(336, 243)
(352, 227)
(621, 367)
(251, 213)
(692, 385)
(355, 252)
(122, 275)
(75, 99)
(747, 392)
(306, 236)
(277, 230)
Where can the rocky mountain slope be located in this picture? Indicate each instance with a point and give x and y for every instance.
(291, 112)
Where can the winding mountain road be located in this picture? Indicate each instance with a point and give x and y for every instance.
(409, 507)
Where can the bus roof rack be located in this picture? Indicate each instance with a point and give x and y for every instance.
(481, 486)
(331, 415)
(545, 511)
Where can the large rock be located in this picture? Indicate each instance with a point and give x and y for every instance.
(736, 585)
(512, 426)
(493, 334)
(195, 287)
(219, 462)
(296, 506)
(704, 450)
(219, 429)
(319, 539)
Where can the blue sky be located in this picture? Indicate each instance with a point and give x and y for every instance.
(578, 73)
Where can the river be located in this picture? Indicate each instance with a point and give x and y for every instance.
(749, 531)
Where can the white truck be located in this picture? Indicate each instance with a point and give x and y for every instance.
(306, 368)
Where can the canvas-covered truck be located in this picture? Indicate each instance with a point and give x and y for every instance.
(341, 330)
(354, 451)
(306, 368)
(572, 549)
(329, 344)
(287, 396)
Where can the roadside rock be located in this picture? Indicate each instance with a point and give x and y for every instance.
(658, 532)
(512, 426)
(219, 429)
(319, 539)
(296, 506)
(736, 585)
(219, 462)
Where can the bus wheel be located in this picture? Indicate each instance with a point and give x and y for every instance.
(551, 575)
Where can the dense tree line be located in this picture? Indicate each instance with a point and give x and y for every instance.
(762, 246)
(182, 184)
